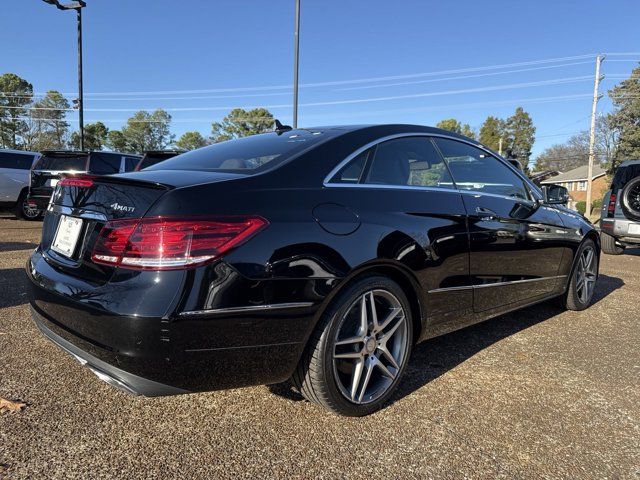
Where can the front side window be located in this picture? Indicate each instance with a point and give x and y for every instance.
(474, 169)
(411, 161)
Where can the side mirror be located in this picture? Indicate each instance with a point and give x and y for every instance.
(555, 195)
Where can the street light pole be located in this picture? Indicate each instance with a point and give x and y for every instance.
(296, 55)
(80, 98)
(77, 6)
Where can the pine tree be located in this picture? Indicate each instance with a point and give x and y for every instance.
(626, 118)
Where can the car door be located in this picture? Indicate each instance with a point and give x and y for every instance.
(516, 244)
(418, 184)
(14, 174)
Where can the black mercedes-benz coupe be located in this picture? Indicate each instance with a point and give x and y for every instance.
(319, 256)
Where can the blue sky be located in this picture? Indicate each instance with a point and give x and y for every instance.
(200, 58)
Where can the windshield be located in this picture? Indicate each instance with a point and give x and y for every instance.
(62, 162)
(246, 155)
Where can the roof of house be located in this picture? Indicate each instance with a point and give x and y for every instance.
(577, 174)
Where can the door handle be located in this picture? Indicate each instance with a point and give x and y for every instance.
(487, 214)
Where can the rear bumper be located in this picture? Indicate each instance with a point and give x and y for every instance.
(110, 374)
(623, 230)
(41, 201)
(167, 354)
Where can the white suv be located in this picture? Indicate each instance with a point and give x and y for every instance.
(15, 166)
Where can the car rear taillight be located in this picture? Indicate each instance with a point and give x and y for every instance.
(166, 243)
(611, 208)
(76, 182)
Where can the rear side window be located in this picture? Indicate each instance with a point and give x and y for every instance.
(352, 171)
(104, 164)
(474, 169)
(62, 162)
(411, 161)
(16, 161)
(130, 163)
(245, 155)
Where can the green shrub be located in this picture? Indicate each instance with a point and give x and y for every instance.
(596, 205)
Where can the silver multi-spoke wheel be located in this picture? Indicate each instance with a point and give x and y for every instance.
(371, 346)
(586, 274)
(29, 211)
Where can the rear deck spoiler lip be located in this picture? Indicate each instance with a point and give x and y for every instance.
(120, 181)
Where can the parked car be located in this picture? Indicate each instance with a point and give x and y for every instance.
(14, 183)
(54, 164)
(620, 214)
(316, 255)
(151, 157)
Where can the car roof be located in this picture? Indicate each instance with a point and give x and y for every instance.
(23, 152)
(81, 153)
(397, 126)
(627, 163)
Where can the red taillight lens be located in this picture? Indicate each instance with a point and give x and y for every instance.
(165, 243)
(76, 182)
(611, 208)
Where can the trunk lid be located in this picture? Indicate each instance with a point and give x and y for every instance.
(111, 197)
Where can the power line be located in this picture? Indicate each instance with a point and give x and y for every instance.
(416, 82)
(557, 81)
(553, 99)
(342, 82)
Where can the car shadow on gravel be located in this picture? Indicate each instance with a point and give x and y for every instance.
(436, 356)
(13, 287)
(15, 246)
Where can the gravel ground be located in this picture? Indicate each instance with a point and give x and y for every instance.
(537, 393)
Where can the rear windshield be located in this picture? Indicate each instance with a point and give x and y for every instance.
(62, 162)
(245, 155)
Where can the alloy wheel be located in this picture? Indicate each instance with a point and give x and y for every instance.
(371, 346)
(29, 211)
(586, 274)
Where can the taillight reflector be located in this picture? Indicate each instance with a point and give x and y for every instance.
(611, 208)
(76, 182)
(166, 243)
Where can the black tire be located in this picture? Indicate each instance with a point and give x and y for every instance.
(609, 246)
(23, 211)
(317, 378)
(630, 199)
(573, 298)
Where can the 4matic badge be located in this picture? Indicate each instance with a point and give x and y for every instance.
(121, 208)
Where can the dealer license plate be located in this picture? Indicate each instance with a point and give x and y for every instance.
(67, 235)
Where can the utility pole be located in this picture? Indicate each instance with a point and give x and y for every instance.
(500, 146)
(592, 133)
(296, 55)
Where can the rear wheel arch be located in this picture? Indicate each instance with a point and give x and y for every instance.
(397, 273)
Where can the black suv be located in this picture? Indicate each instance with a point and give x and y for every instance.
(620, 215)
(55, 163)
(151, 157)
